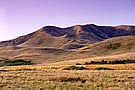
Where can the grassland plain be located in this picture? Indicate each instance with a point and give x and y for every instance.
(54, 78)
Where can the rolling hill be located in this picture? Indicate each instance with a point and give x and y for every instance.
(52, 44)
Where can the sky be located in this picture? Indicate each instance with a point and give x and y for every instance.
(20, 17)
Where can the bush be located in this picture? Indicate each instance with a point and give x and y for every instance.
(103, 68)
(75, 68)
(15, 62)
(78, 63)
(127, 61)
(83, 81)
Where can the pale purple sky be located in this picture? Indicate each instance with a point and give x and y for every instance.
(20, 17)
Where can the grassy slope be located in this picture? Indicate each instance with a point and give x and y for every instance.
(115, 48)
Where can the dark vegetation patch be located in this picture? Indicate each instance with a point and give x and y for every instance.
(15, 62)
(75, 68)
(4, 70)
(127, 61)
(78, 63)
(114, 46)
(103, 68)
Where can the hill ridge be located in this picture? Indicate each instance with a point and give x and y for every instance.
(78, 34)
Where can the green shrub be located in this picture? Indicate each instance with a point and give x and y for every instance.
(78, 63)
(83, 81)
(126, 61)
(75, 68)
(15, 62)
(103, 68)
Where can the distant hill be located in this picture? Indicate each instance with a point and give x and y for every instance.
(51, 36)
(52, 44)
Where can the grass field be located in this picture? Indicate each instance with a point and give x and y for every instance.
(54, 78)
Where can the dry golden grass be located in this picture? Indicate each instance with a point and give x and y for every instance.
(67, 80)
(60, 67)
(39, 77)
(97, 58)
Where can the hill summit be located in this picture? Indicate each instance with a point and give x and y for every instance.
(56, 37)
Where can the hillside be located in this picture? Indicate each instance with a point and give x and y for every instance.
(118, 48)
(52, 44)
(115, 48)
(51, 36)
